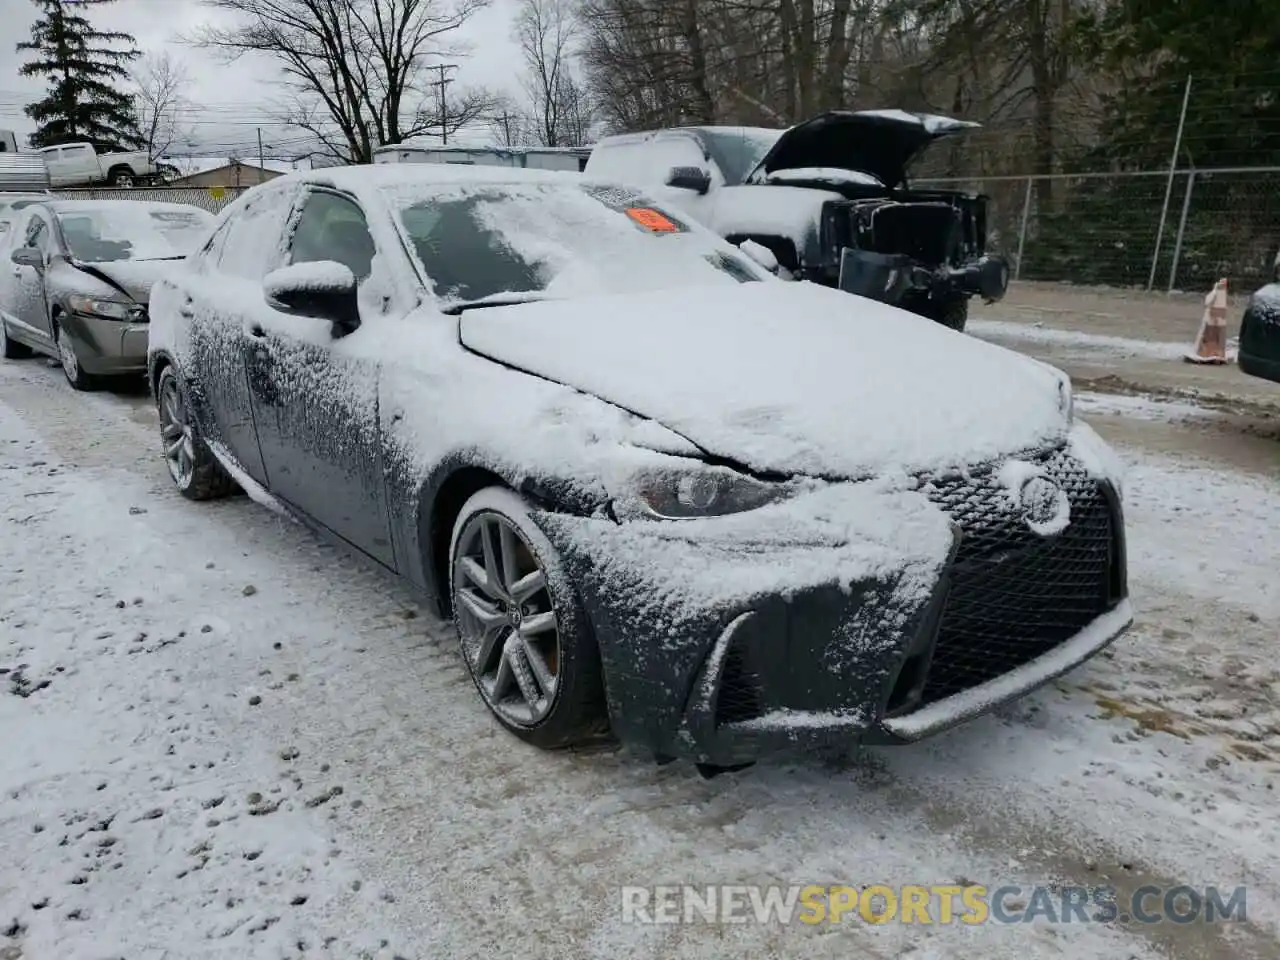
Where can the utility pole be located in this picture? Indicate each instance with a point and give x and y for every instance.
(443, 83)
(260, 160)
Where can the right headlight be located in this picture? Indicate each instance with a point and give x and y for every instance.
(704, 492)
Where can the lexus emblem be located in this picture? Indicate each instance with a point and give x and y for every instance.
(1044, 505)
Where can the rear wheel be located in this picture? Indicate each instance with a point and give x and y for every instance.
(11, 349)
(524, 635)
(950, 311)
(196, 472)
(121, 177)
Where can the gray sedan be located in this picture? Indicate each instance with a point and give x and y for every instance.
(77, 280)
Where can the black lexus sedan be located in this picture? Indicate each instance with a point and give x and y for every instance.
(1260, 332)
(659, 491)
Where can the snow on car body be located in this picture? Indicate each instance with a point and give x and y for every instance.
(749, 513)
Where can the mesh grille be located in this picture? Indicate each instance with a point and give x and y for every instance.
(1014, 594)
(739, 697)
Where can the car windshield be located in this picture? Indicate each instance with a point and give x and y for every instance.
(132, 231)
(737, 150)
(552, 240)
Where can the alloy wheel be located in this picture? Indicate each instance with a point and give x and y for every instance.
(177, 433)
(506, 620)
(67, 355)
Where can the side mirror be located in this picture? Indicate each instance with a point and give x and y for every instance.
(689, 178)
(324, 289)
(761, 254)
(28, 257)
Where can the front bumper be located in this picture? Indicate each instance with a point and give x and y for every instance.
(884, 643)
(107, 347)
(894, 277)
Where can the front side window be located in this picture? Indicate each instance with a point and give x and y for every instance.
(478, 241)
(331, 227)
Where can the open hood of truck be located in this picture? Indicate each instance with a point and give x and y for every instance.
(878, 142)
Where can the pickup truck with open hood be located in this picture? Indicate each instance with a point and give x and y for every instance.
(829, 201)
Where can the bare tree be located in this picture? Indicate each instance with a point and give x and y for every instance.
(160, 102)
(355, 66)
(546, 31)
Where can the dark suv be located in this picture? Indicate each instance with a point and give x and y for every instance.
(829, 199)
(1260, 331)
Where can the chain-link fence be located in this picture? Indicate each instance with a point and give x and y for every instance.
(212, 199)
(1148, 230)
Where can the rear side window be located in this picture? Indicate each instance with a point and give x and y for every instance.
(37, 233)
(250, 248)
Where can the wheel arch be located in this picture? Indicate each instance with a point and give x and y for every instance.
(439, 503)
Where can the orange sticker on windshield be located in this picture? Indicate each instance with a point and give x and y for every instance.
(651, 219)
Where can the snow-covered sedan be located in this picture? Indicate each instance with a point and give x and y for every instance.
(657, 490)
(79, 273)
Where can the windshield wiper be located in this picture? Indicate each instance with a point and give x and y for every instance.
(495, 300)
(181, 256)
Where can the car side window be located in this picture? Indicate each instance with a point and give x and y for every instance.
(250, 248)
(38, 233)
(332, 227)
(207, 256)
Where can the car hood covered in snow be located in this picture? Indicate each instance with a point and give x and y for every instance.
(878, 142)
(134, 277)
(786, 377)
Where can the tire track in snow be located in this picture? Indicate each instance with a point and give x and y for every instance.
(457, 820)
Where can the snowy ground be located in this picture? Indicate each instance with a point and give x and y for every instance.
(226, 739)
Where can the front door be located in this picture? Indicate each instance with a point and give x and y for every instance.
(315, 403)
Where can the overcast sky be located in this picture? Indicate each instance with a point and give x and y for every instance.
(232, 100)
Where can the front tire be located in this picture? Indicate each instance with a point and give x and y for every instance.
(950, 311)
(71, 368)
(524, 635)
(196, 472)
(11, 349)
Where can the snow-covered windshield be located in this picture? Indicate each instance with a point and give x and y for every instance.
(128, 230)
(737, 150)
(575, 239)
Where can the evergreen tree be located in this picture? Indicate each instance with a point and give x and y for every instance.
(83, 65)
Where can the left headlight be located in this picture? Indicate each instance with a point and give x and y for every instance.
(111, 309)
(709, 492)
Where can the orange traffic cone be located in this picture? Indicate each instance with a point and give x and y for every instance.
(1211, 341)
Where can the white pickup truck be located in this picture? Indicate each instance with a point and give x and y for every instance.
(79, 164)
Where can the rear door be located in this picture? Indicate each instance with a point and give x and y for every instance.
(219, 296)
(30, 307)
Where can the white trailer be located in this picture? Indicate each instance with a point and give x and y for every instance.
(569, 159)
